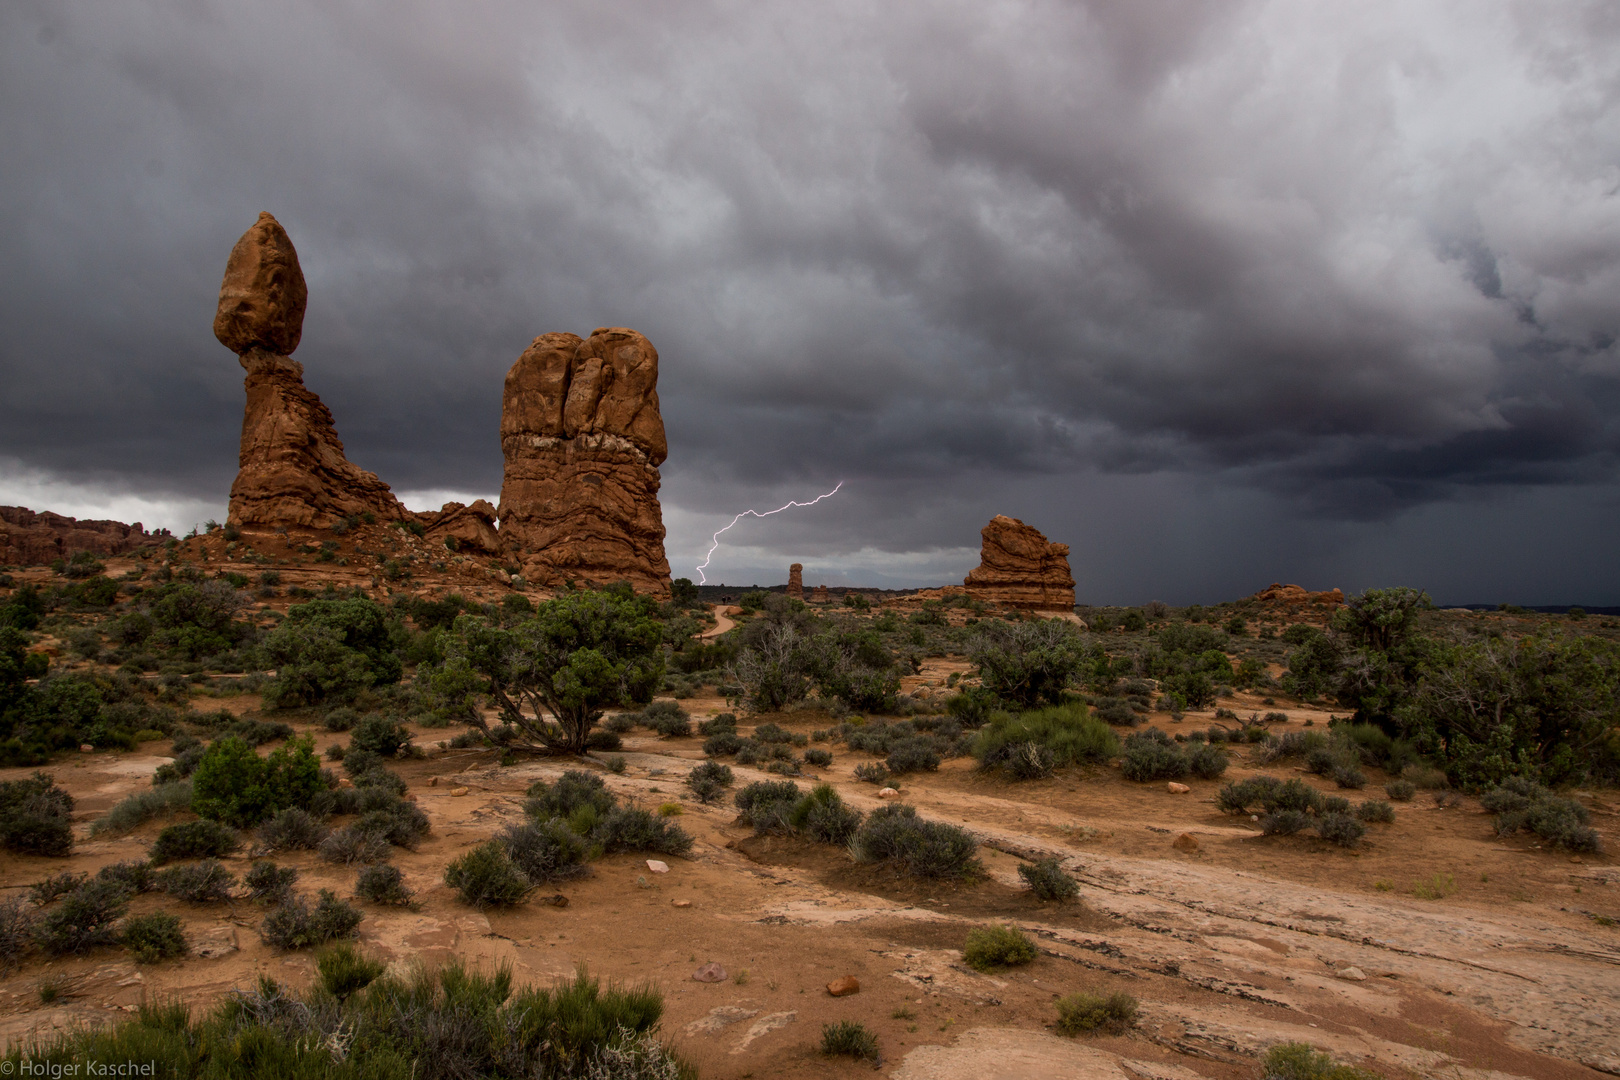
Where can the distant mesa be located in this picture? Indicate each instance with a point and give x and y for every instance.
(1295, 598)
(30, 539)
(1019, 568)
(795, 587)
(583, 438)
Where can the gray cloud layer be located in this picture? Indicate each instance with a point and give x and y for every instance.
(1215, 292)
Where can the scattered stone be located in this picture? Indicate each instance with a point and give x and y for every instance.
(1185, 842)
(680, 903)
(457, 792)
(1177, 789)
(888, 793)
(764, 1026)
(433, 781)
(718, 1019)
(344, 781)
(1354, 974)
(1018, 568)
(86, 748)
(657, 866)
(709, 973)
(844, 987)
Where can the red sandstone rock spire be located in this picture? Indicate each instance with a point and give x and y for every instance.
(795, 587)
(1018, 568)
(583, 439)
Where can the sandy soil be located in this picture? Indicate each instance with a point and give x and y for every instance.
(1234, 946)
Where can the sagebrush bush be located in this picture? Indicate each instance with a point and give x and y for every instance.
(17, 931)
(293, 829)
(36, 816)
(341, 718)
(44, 891)
(154, 937)
(546, 852)
(382, 883)
(400, 823)
(1400, 790)
(269, 883)
(1376, 810)
(631, 829)
(84, 919)
(1208, 762)
(1268, 794)
(1047, 880)
(873, 773)
(929, 849)
(722, 743)
(486, 876)
(200, 882)
(292, 924)
(849, 1038)
(136, 810)
(574, 790)
(1153, 755)
(201, 839)
(1301, 1061)
(667, 719)
(991, 947)
(345, 970)
(1521, 804)
(1068, 734)
(1082, 1014)
(1340, 828)
(1284, 822)
(1349, 776)
(351, 845)
(818, 757)
(916, 753)
(709, 781)
(137, 876)
(822, 815)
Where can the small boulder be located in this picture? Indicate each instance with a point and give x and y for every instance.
(680, 903)
(1177, 789)
(657, 866)
(1185, 842)
(457, 791)
(86, 748)
(844, 987)
(1354, 974)
(709, 973)
(888, 793)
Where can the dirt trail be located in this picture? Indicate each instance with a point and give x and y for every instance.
(721, 622)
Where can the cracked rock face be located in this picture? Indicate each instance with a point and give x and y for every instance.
(583, 439)
(1018, 568)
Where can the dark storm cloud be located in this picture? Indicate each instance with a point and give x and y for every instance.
(1317, 265)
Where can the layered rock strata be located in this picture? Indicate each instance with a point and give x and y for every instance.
(1019, 568)
(795, 587)
(292, 469)
(34, 539)
(583, 439)
(1295, 598)
(464, 528)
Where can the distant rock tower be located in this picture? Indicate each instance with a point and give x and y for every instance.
(796, 581)
(583, 439)
(1018, 568)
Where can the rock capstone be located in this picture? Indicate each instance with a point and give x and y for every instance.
(1019, 568)
(583, 438)
(261, 300)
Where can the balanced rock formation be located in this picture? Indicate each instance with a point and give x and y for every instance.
(1018, 568)
(583, 439)
(30, 539)
(795, 587)
(292, 467)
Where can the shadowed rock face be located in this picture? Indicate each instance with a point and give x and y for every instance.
(796, 581)
(583, 439)
(30, 539)
(1018, 568)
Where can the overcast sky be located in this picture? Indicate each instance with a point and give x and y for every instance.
(1219, 294)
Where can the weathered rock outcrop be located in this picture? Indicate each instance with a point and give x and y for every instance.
(1018, 568)
(1294, 598)
(292, 469)
(30, 539)
(820, 595)
(464, 528)
(795, 587)
(583, 439)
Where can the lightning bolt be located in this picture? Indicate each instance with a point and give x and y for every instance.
(702, 579)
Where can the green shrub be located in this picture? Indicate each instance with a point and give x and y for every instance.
(573, 790)
(17, 931)
(822, 815)
(36, 816)
(135, 876)
(486, 876)
(344, 970)
(292, 829)
(762, 793)
(328, 651)
(352, 844)
(1348, 776)
(56, 886)
(818, 757)
(193, 840)
(341, 718)
(1068, 734)
(1152, 755)
(85, 919)
(234, 785)
(1301, 1061)
(136, 810)
(291, 924)
(269, 883)
(1083, 1014)
(630, 829)
(849, 1038)
(1268, 794)
(380, 735)
(1284, 822)
(400, 823)
(1048, 881)
(709, 781)
(154, 937)
(915, 753)
(991, 947)
(1400, 790)
(200, 882)
(382, 883)
(1207, 762)
(1027, 663)
(928, 849)
(1519, 803)
(873, 773)
(722, 743)
(667, 719)
(1376, 810)
(1340, 828)
(546, 852)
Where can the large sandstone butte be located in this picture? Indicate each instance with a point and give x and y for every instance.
(1018, 568)
(583, 439)
(292, 469)
(27, 538)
